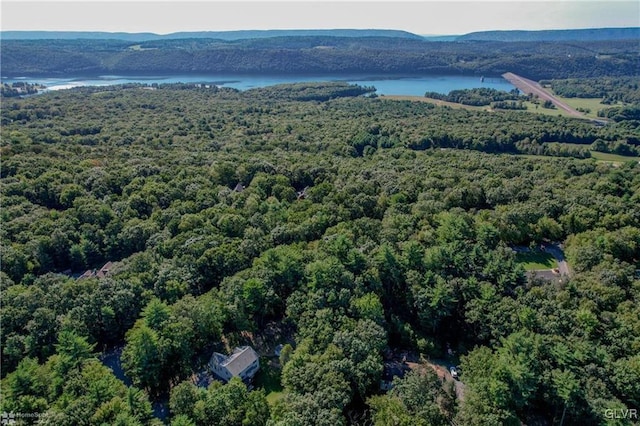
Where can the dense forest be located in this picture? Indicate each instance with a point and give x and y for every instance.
(321, 55)
(591, 34)
(356, 226)
(610, 89)
(619, 96)
(478, 97)
(219, 35)
(18, 88)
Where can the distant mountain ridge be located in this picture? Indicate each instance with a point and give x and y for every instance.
(588, 34)
(567, 54)
(220, 35)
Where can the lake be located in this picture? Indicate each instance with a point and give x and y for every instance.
(412, 86)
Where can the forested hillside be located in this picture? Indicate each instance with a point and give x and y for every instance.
(219, 35)
(362, 225)
(610, 89)
(320, 55)
(587, 34)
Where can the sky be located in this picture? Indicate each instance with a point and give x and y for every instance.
(424, 17)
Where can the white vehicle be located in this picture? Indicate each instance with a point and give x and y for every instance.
(454, 372)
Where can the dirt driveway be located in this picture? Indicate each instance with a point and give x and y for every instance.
(443, 373)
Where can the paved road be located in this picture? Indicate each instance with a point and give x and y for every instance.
(529, 86)
(557, 252)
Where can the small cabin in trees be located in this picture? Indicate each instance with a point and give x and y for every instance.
(302, 194)
(97, 273)
(243, 362)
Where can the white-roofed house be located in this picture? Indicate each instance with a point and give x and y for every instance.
(243, 362)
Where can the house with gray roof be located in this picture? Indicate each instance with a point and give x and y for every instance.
(97, 273)
(243, 362)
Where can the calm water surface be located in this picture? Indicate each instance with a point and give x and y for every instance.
(414, 86)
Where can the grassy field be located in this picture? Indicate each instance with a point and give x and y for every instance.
(273, 397)
(569, 145)
(536, 259)
(614, 158)
(268, 378)
(531, 107)
(600, 156)
(592, 104)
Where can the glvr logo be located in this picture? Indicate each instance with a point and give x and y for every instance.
(621, 413)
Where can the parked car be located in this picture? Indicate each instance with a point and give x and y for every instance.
(454, 372)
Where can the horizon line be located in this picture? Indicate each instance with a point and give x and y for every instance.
(317, 29)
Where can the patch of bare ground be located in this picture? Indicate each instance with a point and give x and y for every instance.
(443, 374)
(419, 363)
(264, 342)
